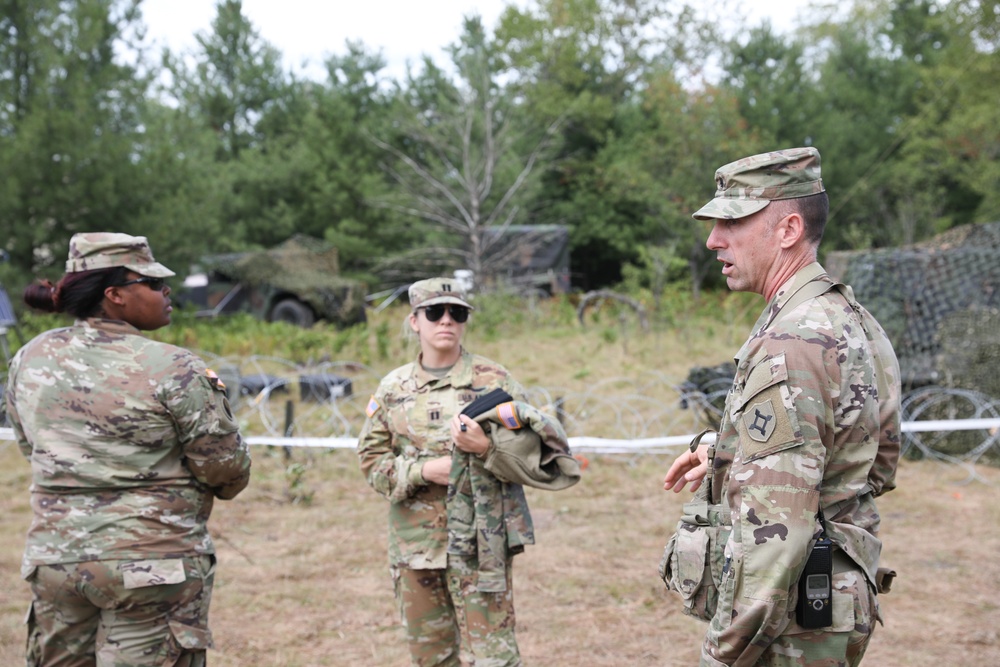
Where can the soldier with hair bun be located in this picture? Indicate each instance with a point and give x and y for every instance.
(130, 442)
(454, 524)
(809, 438)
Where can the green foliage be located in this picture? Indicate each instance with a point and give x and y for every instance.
(597, 115)
(297, 491)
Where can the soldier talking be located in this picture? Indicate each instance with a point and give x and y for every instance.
(130, 441)
(809, 437)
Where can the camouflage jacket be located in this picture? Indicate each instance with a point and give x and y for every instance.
(129, 441)
(476, 494)
(408, 424)
(801, 431)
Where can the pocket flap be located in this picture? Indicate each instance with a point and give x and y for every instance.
(142, 573)
(689, 564)
(191, 637)
(766, 374)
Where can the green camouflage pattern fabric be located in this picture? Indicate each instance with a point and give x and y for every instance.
(408, 424)
(475, 507)
(751, 183)
(535, 454)
(803, 427)
(449, 622)
(437, 290)
(104, 250)
(153, 612)
(129, 440)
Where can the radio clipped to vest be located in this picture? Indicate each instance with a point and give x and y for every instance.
(815, 608)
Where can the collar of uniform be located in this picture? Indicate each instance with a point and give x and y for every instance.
(460, 374)
(802, 277)
(111, 326)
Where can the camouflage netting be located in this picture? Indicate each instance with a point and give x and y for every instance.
(303, 266)
(938, 301)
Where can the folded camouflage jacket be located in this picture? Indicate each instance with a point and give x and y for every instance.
(526, 446)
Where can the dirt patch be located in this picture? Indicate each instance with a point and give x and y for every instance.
(308, 586)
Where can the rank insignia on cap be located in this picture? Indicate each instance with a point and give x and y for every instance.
(760, 421)
(214, 379)
(507, 414)
(372, 406)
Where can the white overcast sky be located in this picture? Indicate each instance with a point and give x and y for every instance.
(404, 30)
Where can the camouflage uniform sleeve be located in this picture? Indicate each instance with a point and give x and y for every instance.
(213, 449)
(774, 498)
(389, 471)
(12, 417)
(882, 477)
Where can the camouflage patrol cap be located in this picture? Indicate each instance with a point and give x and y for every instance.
(437, 290)
(104, 250)
(748, 185)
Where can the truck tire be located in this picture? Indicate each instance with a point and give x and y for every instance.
(294, 312)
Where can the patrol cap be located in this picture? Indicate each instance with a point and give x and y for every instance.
(748, 185)
(104, 250)
(437, 290)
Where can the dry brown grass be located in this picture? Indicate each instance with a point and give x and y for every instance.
(307, 585)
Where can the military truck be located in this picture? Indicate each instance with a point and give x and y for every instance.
(298, 281)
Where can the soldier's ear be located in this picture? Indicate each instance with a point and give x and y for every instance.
(791, 230)
(114, 295)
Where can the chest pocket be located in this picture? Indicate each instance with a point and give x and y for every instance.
(764, 414)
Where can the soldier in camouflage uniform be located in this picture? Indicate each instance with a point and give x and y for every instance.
(130, 441)
(457, 609)
(810, 431)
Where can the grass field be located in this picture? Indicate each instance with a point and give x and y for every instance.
(305, 584)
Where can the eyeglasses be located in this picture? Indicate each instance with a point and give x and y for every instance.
(155, 284)
(458, 313)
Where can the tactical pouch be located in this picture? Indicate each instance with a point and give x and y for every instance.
(883, 580)
(693, 558)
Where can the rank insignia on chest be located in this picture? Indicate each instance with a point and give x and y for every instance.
(760, 421)
(434, 414)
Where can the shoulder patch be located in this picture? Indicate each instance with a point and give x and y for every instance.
(507, 414)
(215, 379)
(767, 426)
(372, 406)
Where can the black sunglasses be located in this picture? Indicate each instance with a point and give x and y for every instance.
(434, 313)
(155, 284)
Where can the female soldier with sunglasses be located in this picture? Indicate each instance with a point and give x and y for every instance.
(130, 441)
(452, 613)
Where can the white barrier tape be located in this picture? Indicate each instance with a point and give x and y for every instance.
(606, 445)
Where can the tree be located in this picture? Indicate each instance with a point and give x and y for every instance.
(465, 159)
(590, 61)
(236, 80)
(70, 120)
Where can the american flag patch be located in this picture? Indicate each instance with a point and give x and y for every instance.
(372, 407)
(508, 415)
(214, 379)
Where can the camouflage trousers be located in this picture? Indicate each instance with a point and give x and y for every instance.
(855, 611)
(116, 613)
(449, 623)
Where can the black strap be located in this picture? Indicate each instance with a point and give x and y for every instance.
(486, 402)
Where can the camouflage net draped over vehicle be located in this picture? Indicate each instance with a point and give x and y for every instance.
(303, 266)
